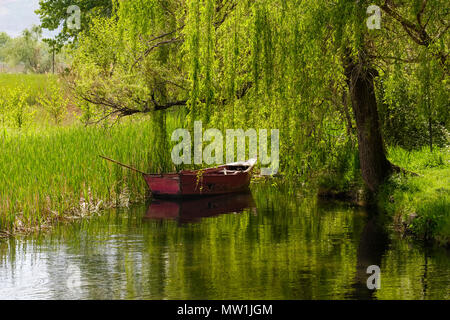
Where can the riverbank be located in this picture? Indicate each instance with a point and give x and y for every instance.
(419, 205)
(55, 174)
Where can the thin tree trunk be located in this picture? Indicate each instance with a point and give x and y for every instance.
(375, 167)
(428, 103)
(430, 129)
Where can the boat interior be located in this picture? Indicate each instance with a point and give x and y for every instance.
(227, 169)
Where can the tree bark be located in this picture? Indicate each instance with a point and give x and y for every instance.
(375, 167)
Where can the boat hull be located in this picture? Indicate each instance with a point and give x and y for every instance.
(225, 179)
(191, 184)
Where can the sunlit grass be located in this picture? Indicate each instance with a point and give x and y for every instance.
(425, 197)
(32, 86)
(56, 172)
(33, 83)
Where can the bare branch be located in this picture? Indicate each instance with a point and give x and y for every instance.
(420, 13)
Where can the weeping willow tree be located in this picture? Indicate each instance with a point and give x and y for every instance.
(289, 64)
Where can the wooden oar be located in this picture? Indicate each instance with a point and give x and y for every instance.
(121, 164)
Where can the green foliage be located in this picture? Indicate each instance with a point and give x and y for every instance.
(34, 83)
(263, 64)
(420, 159)
(423, 202)
(52, 12)
(27, 50)
(52, 173)
(53, 101)
(3, 106)
(19, 111)
(89, 112)
(192, 46)
(4, 40)
(159, 160)
(432, 216)
(341, 173)
(412, 102)
(212, 69)
(25, 88)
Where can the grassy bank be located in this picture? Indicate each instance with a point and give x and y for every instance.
(33, 112)
(55, 173)
(34, 84)
(420, 204)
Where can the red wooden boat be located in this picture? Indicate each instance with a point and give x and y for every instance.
(228, 178)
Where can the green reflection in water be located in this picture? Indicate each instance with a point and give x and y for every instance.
(284, 245)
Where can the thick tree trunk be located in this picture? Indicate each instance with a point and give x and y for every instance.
(374, 165)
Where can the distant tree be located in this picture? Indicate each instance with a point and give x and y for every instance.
(4, 40)
(29, 50)
(53, 14)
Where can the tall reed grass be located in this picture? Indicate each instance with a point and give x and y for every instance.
(56, 172)
(33, 83)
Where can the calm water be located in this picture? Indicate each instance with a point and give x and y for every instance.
(274, 244)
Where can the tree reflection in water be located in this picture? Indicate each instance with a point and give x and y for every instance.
(282, 243)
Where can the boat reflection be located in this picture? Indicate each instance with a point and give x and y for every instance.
(193, 210)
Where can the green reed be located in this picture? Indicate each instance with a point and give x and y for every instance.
(54, 173)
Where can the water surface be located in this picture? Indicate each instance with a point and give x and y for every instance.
(274, 244)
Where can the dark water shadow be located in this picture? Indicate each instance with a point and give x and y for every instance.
(193, 210)
(373, 245)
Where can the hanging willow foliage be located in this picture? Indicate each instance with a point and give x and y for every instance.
(192, 48)
(207, 57)
(260, 64)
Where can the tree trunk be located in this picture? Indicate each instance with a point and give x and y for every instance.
(430, 130)
(374, 165)
(53, 59)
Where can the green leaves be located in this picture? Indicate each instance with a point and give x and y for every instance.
(53, 101)
(20, 113)
(265, 64)
(53, 13)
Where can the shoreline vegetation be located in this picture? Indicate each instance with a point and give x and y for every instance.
(51, 172)
(420, 205)
(416, 202)
(54, 175)
(346, 102)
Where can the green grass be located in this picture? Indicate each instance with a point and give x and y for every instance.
(50, 174)
(33, 83)
(421, 204)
